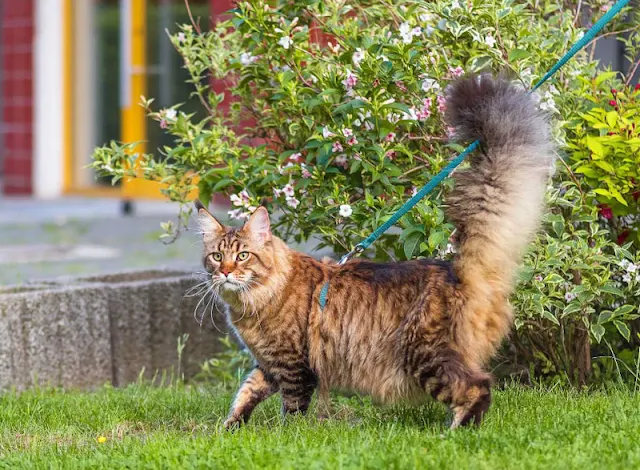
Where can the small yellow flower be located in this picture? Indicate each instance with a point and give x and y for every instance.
(102, 439)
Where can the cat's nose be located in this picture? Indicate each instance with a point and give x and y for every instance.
(225, 272)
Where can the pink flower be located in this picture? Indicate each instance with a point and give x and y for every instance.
(442, 103)
(391, 154)
(337, 147)
(347, 132)
(341, 160)
(352, 140)
(163, 124)
(305, 172)
(181, 37)
(356, 156)
(277, 192)
(451, 131)
(391, 136)
(292, 202)
(350, 81)
(295, 157)
(288, 191)
(457, 72)
(238, 214)
(606, 212)
(244, 195)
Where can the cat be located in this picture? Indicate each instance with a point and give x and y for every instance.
(396, 331)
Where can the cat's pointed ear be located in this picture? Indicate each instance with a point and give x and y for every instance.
(207, 222)
(259, 226)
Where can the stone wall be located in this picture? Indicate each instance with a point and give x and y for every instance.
(84, 332)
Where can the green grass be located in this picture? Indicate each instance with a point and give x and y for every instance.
(148, 427)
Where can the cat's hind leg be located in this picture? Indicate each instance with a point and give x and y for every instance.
(446, 378)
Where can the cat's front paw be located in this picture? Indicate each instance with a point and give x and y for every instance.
(232, 423)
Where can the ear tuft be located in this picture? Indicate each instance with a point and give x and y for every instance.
(207, 222)
(259, 225)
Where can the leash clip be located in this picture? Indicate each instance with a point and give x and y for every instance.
(356, 251)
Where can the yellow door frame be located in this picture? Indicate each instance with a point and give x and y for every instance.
(133, 86)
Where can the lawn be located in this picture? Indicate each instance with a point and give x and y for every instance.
(147, 427)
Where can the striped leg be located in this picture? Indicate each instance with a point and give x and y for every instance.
(256, 388)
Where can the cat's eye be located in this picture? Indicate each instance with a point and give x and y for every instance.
(243, 255)
(217, 257)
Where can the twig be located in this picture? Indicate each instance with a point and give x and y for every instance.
(632, 73)
(610, 33)
(196, 26)
(579, 7)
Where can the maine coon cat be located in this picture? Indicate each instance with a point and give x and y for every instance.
(397, 331)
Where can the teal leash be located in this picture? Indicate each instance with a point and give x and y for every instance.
(453, 164)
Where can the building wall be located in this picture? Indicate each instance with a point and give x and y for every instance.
(16, 63)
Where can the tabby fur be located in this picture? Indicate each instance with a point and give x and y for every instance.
(396, 331)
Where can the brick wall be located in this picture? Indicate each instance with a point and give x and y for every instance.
(16, 63)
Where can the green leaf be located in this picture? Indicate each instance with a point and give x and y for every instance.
(517, 54)
(553, 278)
(550, 316)
(598, 332)
(612, 118)
(612, 290)
(595, 146)
(223, 183)
(411, 244)
(625, 309)
(204, 192)
(572, 307)
(604, 76)
(623, 329)
(435, 238)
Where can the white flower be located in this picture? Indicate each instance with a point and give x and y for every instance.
(347, 132)
(569, 296)
(288, 191)
(170, 115)
(553, 90)
(455, 4)
(235, 199)
(238, 214)
(407, 33)
(450, 249)
(335, 49)
(624, 263)
(277, 192)
(426, 17)
(358, 56)
(247, 59)
(547, 103)
(326, 133)
(490, 40)
(292, 202)
(627, 278)
(181, 37)
(429, 84)
(345, 210)
(383, 58)
(295, 157)
(285, 41)
(632, 268)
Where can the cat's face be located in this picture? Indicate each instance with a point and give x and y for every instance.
(238, 259)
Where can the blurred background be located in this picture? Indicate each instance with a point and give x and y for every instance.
(72, 72)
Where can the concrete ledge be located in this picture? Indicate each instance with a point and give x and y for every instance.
(83, 332)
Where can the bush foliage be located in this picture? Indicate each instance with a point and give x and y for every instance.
(335, 116)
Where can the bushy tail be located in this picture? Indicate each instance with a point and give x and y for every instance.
(497, 202)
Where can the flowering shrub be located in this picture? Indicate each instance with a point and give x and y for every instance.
(336, 118)
(606, 151)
